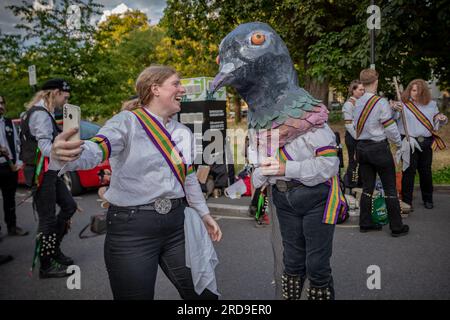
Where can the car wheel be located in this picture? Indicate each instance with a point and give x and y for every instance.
(72, 182)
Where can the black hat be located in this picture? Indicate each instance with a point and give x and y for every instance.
(60, 84)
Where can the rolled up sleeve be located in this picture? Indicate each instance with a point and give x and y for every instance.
(322, 165)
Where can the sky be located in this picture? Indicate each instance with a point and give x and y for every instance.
(152, 8)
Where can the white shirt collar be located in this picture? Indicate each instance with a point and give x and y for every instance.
(161, 120)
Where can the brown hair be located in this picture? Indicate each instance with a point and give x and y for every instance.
(368, 76)
(155, 74)
(3, 98)
(424, 95)
(353, 86)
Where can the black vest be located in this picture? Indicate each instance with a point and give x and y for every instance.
(9, 133)
(28, 142)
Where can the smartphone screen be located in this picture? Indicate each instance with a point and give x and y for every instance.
(71, 119)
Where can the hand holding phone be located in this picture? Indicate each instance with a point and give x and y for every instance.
(71, 119)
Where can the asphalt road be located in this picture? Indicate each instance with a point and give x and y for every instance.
(416, 266)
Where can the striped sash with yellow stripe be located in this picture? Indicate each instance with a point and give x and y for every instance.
(162, 139)
(438, 143)
(370, 104)
(336, 205)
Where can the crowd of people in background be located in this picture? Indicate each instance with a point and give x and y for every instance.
(371, 123)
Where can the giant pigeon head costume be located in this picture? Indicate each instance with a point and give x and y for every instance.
(255, 61)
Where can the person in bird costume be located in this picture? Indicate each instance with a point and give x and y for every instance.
(296, 154)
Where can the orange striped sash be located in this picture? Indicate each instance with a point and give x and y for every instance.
(438, 143)
(370, 104)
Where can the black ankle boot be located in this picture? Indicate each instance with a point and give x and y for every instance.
(325, 293)
(61, 258)
(62, 229)
(292, 286)
(53, 269)
(49, 267)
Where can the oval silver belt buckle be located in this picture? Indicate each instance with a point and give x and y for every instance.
(163, 206)
(420, 139)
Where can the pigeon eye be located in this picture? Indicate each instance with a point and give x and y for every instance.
(217, 60)
(258, 38)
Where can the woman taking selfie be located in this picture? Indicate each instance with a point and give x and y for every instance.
(151, 184)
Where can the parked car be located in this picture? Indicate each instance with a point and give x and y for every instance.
(81, 180)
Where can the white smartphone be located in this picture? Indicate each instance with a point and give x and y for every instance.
(71, 119)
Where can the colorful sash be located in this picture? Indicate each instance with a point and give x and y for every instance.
(370, 104)
(336, 205)
(438, 143)
(104, 145)
(41, 168)
(162, 139)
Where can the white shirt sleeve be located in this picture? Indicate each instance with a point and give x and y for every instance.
(17, 145)
(436, 123)
(348, 116)
(391, 130)
(116, 132)
(194, 194)
(42, 129)
(314, 170)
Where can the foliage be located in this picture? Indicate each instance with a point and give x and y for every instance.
(328, 41)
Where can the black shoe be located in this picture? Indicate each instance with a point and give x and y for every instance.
(61, 258)
(5, 258)
(55, 270)
(17, 231)
(376, 227)
(252, 211)
(402, 232)
(428, 205)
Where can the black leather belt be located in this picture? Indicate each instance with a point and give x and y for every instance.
(160, 205)
(368, 141)
(420, 139)
(284, 186)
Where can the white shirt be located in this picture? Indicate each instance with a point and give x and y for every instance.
(140, 174)
(305, 166)
(415, 128)
(373, 128)
(348, 110)
(4, 142)
(42, 129)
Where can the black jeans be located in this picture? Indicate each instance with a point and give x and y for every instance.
(376, 158)
(136, 242)
(53, 191)
(352, 163)
(307, 242)
(8, 184)
(419, 161)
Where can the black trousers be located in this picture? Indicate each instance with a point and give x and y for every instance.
(53, 191)
(419, 161)
(307, 241)
(136, 242)
(8, 184)
(376, 158)
(352, 163)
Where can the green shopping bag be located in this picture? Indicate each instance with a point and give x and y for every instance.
(379, 211)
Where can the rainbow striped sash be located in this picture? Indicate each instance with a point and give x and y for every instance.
(438, 143)
(336, 205)
(104, 145)
(162, 139)
(370, 104)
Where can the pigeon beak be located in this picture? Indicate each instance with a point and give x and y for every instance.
(223, 77)
(218, 82)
